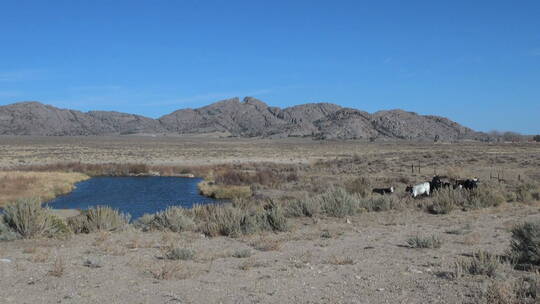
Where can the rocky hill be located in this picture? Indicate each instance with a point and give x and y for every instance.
(232, 117)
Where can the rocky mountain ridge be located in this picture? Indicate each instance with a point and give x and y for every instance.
(233, 117)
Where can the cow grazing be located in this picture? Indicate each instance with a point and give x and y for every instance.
(383, 191)
(468, 184)
(419, 189)
(437, 183)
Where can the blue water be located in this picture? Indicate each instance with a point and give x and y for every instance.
(133, 195)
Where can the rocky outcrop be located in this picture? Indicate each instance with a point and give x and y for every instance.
(233, 117)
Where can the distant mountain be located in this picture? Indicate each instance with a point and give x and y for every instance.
(232, 117)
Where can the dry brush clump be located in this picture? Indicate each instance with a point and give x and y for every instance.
(421, 242)
(527, 193)
(361, 186)
(175, 219)
(481, 263)
(100, 218)
(524, 290)
(525, 245)
(235, 220)
(26, 218)
(229, 219)
(338, 202)
(446, 200)
(178, 253)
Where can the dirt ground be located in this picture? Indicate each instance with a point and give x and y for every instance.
(358, 259)
(321, 261)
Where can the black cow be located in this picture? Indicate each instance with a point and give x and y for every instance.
(437, 183)
(468, 184)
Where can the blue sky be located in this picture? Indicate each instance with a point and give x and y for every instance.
(476, 62)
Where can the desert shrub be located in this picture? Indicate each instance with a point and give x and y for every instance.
(360, 186)
(100, 218)
(525, 245)
(242, 253)
(222, 220)
(175, 219)
(445, 200)
(177, 253)
(338, 202)
(483, 197)
(482, 263)
(231, 220)
(275, 218)
(379, 203)
(424, 242)
(144, 222)
(524, 290)
(303, 207)
(6, 234)
(28, 219)
(527, 193)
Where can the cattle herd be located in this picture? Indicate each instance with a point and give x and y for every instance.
(438, 182)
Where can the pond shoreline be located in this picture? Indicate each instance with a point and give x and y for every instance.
(134, 195)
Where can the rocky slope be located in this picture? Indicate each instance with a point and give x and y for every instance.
(247, 118)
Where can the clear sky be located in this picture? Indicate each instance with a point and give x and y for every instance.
(476, 62)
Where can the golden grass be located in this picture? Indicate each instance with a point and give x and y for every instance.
(45, 185)
(224, 191)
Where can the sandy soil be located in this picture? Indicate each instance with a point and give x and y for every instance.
(319, 261)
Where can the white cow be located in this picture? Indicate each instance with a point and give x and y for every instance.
(419, 189)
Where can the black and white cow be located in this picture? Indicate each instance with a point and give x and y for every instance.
(468, 184)
(383, 191)
(423, 188)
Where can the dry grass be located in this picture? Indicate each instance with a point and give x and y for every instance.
(58, 268)
(266, 244)
(340, 260)
(224, 191)
(165, 270)
(46, 185)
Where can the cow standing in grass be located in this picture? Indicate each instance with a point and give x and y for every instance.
(423, 188)
(468, 184)
(383, 191)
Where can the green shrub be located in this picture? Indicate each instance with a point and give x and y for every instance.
(100, 218)
(482, 263)
(424, 242)
(175, 219)
(303, 207)
(525, 245)
(338, 203)
(28, 219)
(177, 253)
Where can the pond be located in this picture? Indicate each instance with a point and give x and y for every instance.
(133, 195)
